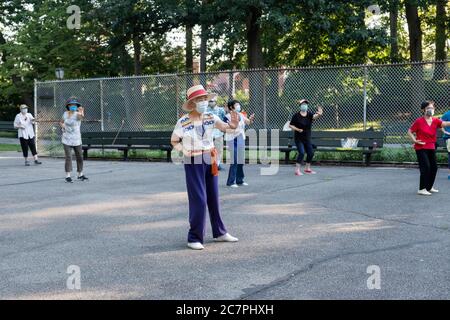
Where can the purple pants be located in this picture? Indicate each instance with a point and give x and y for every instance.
(203, 190)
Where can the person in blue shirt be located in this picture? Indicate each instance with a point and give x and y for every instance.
(446, 117)
(217, 134)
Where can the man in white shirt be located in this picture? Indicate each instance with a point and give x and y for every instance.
(24, 124)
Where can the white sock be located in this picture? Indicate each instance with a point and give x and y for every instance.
(67, 174)
(80, 174)
(35, 157)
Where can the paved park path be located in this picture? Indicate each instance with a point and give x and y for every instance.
(9, 141)
(309, 237)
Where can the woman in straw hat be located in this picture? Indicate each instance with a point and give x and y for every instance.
(193, 135)
(24, 124)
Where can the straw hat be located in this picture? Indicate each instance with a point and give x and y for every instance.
(23, 106)
(195, 92)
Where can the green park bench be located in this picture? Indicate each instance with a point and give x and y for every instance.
(7, 126)
(369, 142)
(126, 141)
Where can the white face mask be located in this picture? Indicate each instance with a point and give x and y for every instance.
(201, 106)
(237, 108)
(24, 111)
(429, 112)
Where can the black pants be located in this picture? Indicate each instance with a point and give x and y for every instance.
(302, 147)
(428, 168)
(28, 143)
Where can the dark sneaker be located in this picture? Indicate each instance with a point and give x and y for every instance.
(37, 162)
(69, 179)
(82, 178)
(27, 163)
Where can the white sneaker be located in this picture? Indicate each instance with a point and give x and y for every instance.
(244, 184)
(226, 238)
(234, 186)
(195, 245)
(423, 192)
(433, 190)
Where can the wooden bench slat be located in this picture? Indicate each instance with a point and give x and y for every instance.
(337, 143)
(347, 134)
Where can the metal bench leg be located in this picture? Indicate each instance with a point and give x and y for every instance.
(169, 156)
(367, 160)
(85, 154)
(125, 154)
(287, 157)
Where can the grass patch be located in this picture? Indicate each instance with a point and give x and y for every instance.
(4, 134)
(132, 154)
(9, 147)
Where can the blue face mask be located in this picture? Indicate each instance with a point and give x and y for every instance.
(237, 108)
(73, 108)
(304, 107)
(201, 106)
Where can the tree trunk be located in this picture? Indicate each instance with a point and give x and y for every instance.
(203, 49)
(189, 52)
(204, 41)
(203, 53)
(254, 47)
(2, 42)
(415, 32)
(255, 61)
(137, 46)
(393, 23)
(124, 58)
(441, 37)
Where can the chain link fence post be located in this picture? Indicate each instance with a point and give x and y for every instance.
(365, 99)
(264, 82)
(102, 118)
(36, 125)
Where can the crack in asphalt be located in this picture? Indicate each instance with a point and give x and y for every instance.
(250, 292)
(445, 229)
(48, 179)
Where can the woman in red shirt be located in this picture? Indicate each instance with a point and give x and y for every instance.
(423, 133)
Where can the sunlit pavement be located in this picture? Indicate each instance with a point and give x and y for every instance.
(308, 237)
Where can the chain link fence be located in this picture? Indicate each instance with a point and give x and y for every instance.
(357, 97)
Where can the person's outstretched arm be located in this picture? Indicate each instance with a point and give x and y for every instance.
(249, 120)
(232, 124)
(319, 113)
(80, 113)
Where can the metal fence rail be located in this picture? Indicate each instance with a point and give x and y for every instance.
(357, 97)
